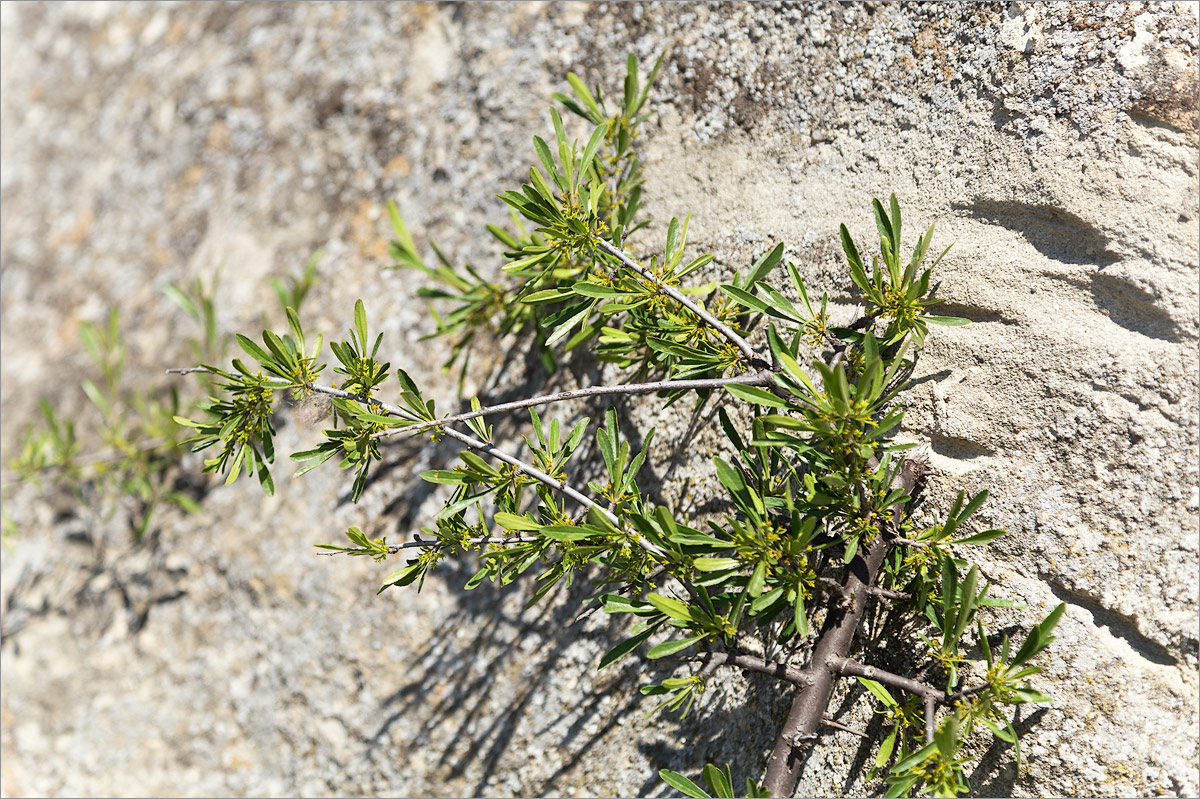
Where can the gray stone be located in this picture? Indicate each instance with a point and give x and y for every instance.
(1056, 144)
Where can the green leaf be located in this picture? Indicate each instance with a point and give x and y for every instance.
(511, 521)
(563, 329)
(682, 784)
(757, 579)
(182, 300)
(947, 321)
(973, 506)
(916, 757)
(596, 290)
(730, 477)
(546, 295)
(886, 748)
(95, 395)
(566, 532)
(589, 152)
(1001, 733)
(718, 781)
(672, 236)
(403, 576)
(851, 251)
(879, 692)
(543, 152)
(715, 564)
(980, 538)
(445, 477)
(400, 229)
(312, 464)
(750, 301)
(671, 647)
(670, 606)
(360, 324)
(799, 616)
(764, 265)
(759, 396)
(1039, 637)
(967, 606)
(253, 350)
(581, 91)
(625, 647)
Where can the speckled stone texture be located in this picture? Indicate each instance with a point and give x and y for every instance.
(1055, 143)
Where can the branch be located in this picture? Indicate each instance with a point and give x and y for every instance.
(626, 589)
(837, 634)
(924, 690)
(827, 718)
(749, 354)
(10, 477)
(422, 543)
(882, 593)
(521, 466)
(780, 671)
(762, 378)
(912, 542)
(963, 694)
(852, 668)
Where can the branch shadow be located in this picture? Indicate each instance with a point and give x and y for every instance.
(459, 675)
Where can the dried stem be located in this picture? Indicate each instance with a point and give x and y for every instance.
(827, 719)
(762, 378)
(561, 486)
(749, 354)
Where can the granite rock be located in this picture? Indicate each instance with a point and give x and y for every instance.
(1055, 143)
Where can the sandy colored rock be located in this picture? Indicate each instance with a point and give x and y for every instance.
(1055, 144)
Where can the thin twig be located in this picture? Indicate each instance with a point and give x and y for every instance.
(623, 590)
(924, 690)
(561, 486)
(750, 354)
(853, 668)
(963, 694)
(779, 671)
(762, 378)
(931, 703)
(478, 541)
(882, 593)
(828, 720)
(431, 543)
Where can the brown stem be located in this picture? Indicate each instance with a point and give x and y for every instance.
(852, 668)
(837, 635)
(780, 671)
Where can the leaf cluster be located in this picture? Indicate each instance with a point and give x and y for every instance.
(136, 460)
(576, 193)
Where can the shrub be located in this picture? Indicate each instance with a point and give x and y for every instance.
(818, 524)
(135, 467)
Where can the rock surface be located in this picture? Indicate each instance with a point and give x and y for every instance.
(1056, 144)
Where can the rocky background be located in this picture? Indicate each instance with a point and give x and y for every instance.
(1056, 144)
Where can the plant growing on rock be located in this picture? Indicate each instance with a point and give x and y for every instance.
(138, 468)
(818, 528)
